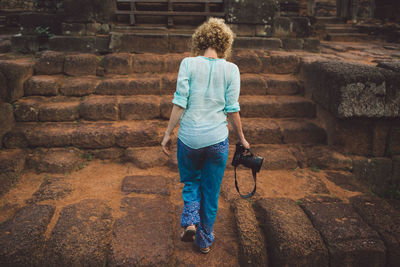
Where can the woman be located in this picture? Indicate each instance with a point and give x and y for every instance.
(207, 91)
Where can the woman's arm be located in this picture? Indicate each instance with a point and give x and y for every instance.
(173, 121)
(234, 118)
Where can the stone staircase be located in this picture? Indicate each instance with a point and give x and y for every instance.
(96, 123)
(333, 29)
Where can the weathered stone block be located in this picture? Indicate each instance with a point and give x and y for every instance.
(290, 237)
(139, 108)
(15, 73)
(292, 43)
(301, 27)
(89, 11)
(6, 119)
(99, 108)
(53, 188)
(73, 29)
(80, 64)
(152, 63)
(50, 62)
(145, 184)
(82, 44)
(146, 157)
(140, 240)
(251, 12)
(139, 43)
(46, 85)
(25, 43)
(23, 236)
(251, 240)
(257, 43)
(311, 44)
(7, 181)
(348, 238)
(396, 172)
(55, 160)
(117, 63)
(243, 29)
(282, 26)
(384, 219)
(394, 139)
(351, 90)
(179, 43)
(89, 227)
(376, 172)
(79, 86)
(12, 160)
(247, 61)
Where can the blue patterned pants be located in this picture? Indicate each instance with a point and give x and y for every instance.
(201, 170)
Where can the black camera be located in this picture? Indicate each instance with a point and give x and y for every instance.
(247, 159)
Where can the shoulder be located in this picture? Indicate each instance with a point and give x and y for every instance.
(232, 66)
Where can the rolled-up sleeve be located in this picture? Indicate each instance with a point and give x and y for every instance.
(182, 85)
(232, 92)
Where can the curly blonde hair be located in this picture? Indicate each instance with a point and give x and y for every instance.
(213, 33)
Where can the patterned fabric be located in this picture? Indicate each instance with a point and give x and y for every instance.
(190, 214)
(201, 170)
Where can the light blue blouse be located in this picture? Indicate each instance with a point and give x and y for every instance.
(207, 89)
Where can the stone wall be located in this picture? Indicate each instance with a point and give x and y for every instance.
(17, 4)
(359, 106)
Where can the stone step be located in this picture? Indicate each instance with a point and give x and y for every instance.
(248, 61)
(328, 20)
(348, 37)
(145, 107)
(348, 238)
(103, 134)
(341, 29)
(145, 84)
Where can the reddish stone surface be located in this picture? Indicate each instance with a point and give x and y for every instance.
(52, 188)
(117, 63)
(15, 72)
(79, 86)
(251, 240)
(252, 84)
(349, 239)
(289, 234)
(281, 63)
(166, 106)
(80, 64)
(6, 119)
(139, 107)
(89, 227)
(151, 63)
(50, 62)
(12, 160)
(385, 220)
(59, 111)
(99, 108)
(260, 131)
(301, 131)
(282, 85)
(45, 85)
(247, 61)
(146, 157)
(139, 239)
(168, 84)
(173, 62)
(54, 160)
(23, 236)
(145, 184)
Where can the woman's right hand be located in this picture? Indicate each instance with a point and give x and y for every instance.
(245, 143)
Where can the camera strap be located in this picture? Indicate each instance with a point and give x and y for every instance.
(254, 189)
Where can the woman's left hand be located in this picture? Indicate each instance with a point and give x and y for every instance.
(166, 144)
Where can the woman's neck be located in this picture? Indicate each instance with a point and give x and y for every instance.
(210, 53)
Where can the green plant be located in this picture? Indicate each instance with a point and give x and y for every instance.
(87, 156)
(315, 168)
(299, 202)
(81, 166)
(43, 31)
